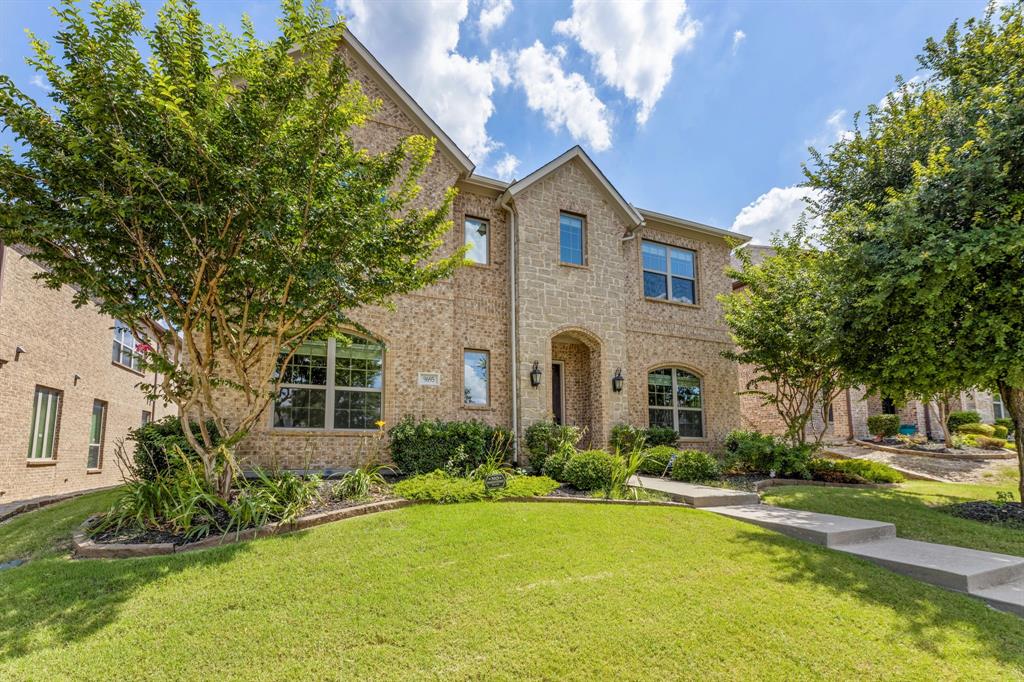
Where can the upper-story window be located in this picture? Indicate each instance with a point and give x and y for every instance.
(998, 411)
(332, 385)
(477, 237)
(124, 352)
(572, 239)
(669, 273)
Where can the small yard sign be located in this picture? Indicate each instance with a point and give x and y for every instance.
(429, 378)
(494, 481)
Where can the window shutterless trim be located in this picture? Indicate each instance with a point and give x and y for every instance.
(486, 403)
(485, 221)
(583, 239)
(675, 401)
(697, 298)
(89, 465)
(43, 436)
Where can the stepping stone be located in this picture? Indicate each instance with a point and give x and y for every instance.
(696, 495)
(1006, 597)
(821, 529)
(955, 568)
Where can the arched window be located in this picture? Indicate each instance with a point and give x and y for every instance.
(674, 400)
(332, 385)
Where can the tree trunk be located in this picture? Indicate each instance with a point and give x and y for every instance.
(1013, 400)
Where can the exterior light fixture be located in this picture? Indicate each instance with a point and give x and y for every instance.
(535, 374)
(617, 381)
(18, 352)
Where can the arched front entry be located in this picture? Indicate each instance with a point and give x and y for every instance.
(574, 395)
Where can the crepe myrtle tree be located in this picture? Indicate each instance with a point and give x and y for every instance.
(204, 189)
(923, 205)
(781, 320)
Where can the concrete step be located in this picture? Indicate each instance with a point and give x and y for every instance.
(955, 568)
(1006, 597)
(821, 529)
(696, 495)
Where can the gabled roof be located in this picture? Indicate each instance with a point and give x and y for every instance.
(406, 102)
(694, 226)
(576, 153)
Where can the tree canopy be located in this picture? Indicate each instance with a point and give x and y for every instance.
(204, 188)
(922, 206)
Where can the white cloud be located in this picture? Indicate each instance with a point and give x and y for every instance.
(737, 38)
(566, 100)
(493, 15)
(507, 167)
(417, 43)
(632, 44)
(38, 81)
(777, 210)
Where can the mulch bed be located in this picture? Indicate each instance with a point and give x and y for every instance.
(990, 512)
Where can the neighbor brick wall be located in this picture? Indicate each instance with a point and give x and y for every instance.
(60, 341)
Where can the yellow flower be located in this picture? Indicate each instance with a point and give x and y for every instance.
(380, 423)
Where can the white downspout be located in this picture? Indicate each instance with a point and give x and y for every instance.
(514, 319)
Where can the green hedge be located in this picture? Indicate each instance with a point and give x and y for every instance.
(424, 446)
(694, 466)
(625, 437)
(977, 429)
(957, 419)
(657, 459)
(543, 438)
(853, 471)
(1006, 423)
(884, 425)
(444, 488)
(1000, 431)
(754, 452)
(153, 442)
(589, 470)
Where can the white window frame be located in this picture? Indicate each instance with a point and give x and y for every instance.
(123, 335)
(998, 409)
(487, 383)
(487, 238)
(675, 407)
(583, 239)
(43, 437)
(667, 273)
(330, 389)
(98, 445)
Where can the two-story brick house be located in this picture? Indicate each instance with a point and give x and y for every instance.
(578, 306)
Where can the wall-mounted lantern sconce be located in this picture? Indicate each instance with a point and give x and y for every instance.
(75, 379)
(18, 352)
(617, 381)
(535, 374)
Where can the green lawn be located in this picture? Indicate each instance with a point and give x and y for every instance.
(498, 591)
(48, 531)
(914, 508)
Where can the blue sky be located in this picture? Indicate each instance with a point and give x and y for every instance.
(701, 110)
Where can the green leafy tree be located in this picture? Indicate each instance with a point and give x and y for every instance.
(922, 206)
(205, 189)
(782, 322)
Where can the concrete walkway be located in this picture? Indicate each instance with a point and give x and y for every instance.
(998, 579)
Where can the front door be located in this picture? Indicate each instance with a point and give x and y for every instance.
(556, 391)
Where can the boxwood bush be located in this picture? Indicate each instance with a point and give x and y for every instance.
(442, 487)
(977, 429)
(694, 466)
(1000, 431)
(1006, 423)
(657, 459)
(625, 437)
(957, 419)
(989, 443)
(875, 472)
(153, 442)
(884, 425)
(543, 438)
(424, 446)
(589, 470)
(554, 464)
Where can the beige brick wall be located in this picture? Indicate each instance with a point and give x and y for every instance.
(60, 342)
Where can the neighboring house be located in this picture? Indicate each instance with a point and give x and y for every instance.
(68, 387)
(578, 307)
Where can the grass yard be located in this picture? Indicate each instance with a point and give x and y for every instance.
(497, 591)
(48, 531)
(913, 507)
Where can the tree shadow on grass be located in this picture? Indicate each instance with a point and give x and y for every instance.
(925, 612)
(69, 600)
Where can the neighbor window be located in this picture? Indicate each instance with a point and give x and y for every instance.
(124, 352)
(571, 239)
(674, 400)
(669, 273)
(477, 240)
(476, 377)
(332, 385)
(147, 417)
(96, 430)
(45, 414)
(998, 411)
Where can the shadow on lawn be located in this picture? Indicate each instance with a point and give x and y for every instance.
(73, 599)
(922, 614)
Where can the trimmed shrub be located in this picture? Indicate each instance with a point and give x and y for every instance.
(526, 486)
(589, 470)
(884, 425)
(988, 443)
(1000, 431)
(1006, 423)
(874, 472)
(956, 419)
(554, 465)
(625, 437)
(155, 440)
(657, 460)
(825, 470)
(694, 465)
(543, 438)
(750, 451)
(442, 487)
(660, 435)
(418, 447)
(977, 429)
